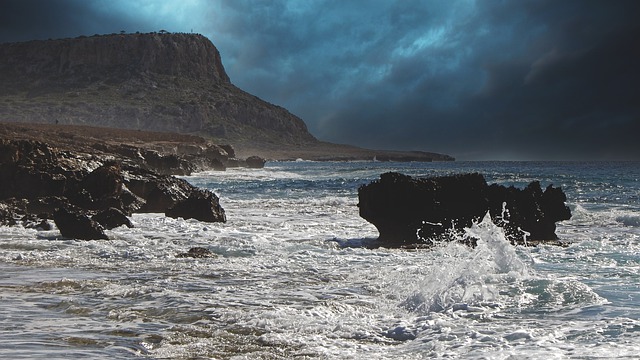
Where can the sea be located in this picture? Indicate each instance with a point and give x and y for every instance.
(294, 277)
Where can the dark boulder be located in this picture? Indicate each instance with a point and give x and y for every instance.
(174, 197)
(105, 181)
(128, 202)
(160, 192)
(74, 224)
(201, 205)
(229, 149)
(255, 162)
(408, 211)
(112, 218)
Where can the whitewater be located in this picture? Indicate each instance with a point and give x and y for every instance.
(293, 277)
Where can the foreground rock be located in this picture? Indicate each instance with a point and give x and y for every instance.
(200, 205)
(85, 193)
(409, 211)
(75, 224)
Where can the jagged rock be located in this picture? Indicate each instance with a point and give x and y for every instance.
(196, 253)
(229, 149)
(529, 209)
(160, 192)
(188, 149)
(31, 221)
(42, 207)
(74, 224)
(201, 205)
(217, 152)
(129, 202)
(167, 164)
(112, 218)
(25, 152)
(7, 215)
(105, 181)
(40, 182)
(26, 170)
(409, 211)
(255, 162)
(216, 165)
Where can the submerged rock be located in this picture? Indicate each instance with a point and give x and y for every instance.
(196, 253)
(74, 224)
(409, 211)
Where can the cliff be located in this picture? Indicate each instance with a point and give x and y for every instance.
(156, 81)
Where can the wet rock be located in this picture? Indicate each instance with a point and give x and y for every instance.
(7, 215)
(400, 333)
(129, 202)
(408, 210)
(105, 181)
(168, 164)
(255, 162)
(112, 218)
(201, 205)
(40, 181)
(30, 221)
(74, 224)
(160, 192)
(229, 149)
(196, 253)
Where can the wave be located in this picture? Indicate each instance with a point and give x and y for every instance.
(629, 220)
(493, 275)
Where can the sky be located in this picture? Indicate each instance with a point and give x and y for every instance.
(475, 79)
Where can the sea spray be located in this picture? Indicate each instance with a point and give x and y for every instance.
(462, 277)
(492, 243)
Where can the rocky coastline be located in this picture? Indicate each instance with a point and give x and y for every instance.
(97, 127)
(90, 179)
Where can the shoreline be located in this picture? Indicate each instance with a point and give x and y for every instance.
(82, 137)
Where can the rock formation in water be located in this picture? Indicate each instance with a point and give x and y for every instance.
(414, 211)
(85, 193)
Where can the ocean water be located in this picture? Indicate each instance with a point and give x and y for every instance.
(292, 278)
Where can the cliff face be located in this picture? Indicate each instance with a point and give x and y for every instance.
(87, 58)
(166, 82)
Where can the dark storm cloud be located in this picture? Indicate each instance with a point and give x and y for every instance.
(532, 79)
(22, 20)
(475, 79)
